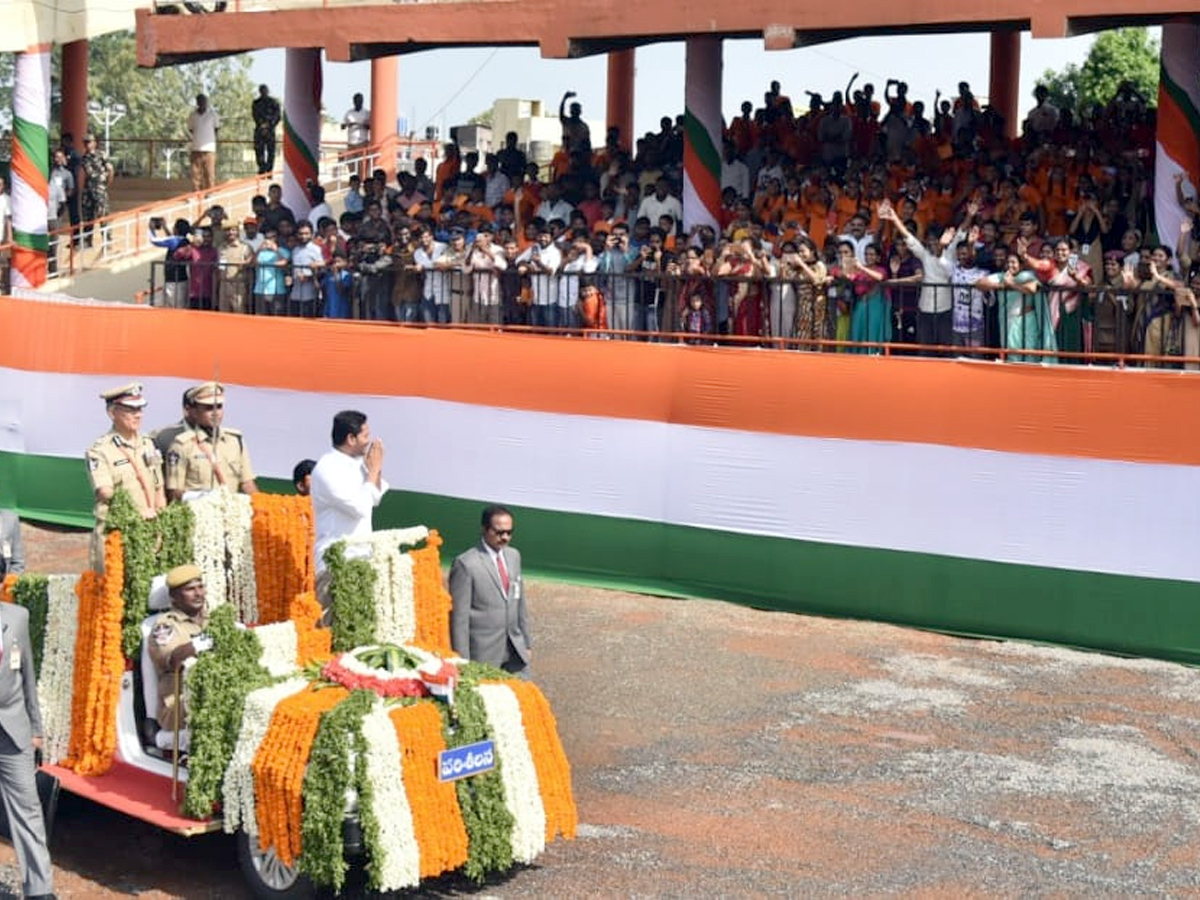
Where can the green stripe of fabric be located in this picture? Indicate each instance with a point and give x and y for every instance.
(1181, 99)
(702, 143)
(301, 147)
(1138, 616)
(36, 141)
(39, 242)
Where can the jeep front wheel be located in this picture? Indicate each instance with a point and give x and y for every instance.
(267, 875)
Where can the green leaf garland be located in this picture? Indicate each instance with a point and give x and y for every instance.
(217, 686)
(336, 757)
(352, 587)
(33, 593)
(150, 547)
(480, 797)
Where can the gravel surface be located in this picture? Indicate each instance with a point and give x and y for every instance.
(719, 750)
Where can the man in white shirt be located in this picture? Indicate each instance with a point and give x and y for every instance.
(347, 485)
(735, 173)
(357, 124)
(660, 204)
(541, 262)
(435, 298)
(307, 261)
(579, 260)
(485, 263)
(553, 206)
(203, 126)
(857, 235)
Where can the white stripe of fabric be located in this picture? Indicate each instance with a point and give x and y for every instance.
(1066, 513)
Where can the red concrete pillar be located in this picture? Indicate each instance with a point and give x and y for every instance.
(74, 81)
(620, 94)
(385, 75)
(1004, 83)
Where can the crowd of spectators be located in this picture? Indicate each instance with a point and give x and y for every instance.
(862, 220)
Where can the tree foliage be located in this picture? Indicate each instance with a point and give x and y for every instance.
(1125, 54)
(157, 100)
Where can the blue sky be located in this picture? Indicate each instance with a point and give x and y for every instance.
(447, 87)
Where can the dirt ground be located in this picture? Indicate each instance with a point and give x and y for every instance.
(723, 751)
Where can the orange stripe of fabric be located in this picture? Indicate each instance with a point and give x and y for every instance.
(1141, 416)
(24, 168)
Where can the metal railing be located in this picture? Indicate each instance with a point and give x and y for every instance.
(1106, 326)
(125, 235)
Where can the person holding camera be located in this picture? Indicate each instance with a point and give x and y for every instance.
(615, 262)
(175, 272)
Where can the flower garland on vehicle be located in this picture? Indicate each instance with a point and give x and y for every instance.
(432, 600)
(58, 665)
(238, 808)
(6, 589)
(32, 592)
(149, 547)
(387, 614)
(282, 534)
(391, 671)
(280, 647)
(481, 797)
(99, 664)
(215, 693)
(549, 758)
(223, 549)
(387, 820)
(328, 778)
(521, 796)
(279, 767)
(437, 820)
(352, 587)
(312, 642)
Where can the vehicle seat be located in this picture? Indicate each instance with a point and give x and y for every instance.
(158, 602)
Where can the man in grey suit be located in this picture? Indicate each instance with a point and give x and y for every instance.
(12, 551)
(20, 736)
(487, 614)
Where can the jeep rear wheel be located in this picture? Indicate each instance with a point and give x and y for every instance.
(267, 875)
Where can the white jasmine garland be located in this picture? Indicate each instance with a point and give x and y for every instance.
(395, 609)
(223, 548)
(278, 642)
(208, 546)
(396, 859)
(56, 682)
(522, 795)
(238, 787)
(239, 546)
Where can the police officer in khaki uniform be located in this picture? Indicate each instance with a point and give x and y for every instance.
(208, 455)
(123, 457)
(176, 636)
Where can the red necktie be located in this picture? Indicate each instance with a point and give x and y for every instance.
(503, 572)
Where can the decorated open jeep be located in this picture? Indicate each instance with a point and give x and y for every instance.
(314, 745)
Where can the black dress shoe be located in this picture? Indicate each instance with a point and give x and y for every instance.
(42, 897)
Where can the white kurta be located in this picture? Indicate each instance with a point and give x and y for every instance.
(342, 499)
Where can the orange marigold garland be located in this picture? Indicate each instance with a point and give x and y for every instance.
(437, 820)
(553, 770)
(282, 530)
(430, 597)
(279, 768)
(312, 642)
(6, 590)
(99, 664)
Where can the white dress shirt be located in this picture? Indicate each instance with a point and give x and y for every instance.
(342, 500)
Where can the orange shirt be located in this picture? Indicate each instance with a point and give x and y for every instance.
(446, 170)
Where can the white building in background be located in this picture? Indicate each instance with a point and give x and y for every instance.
(536, 124)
